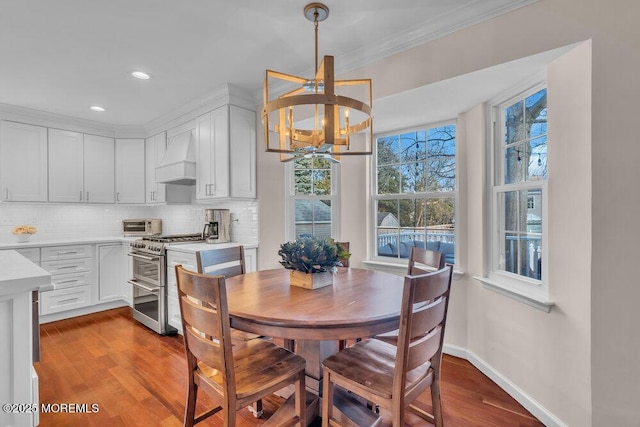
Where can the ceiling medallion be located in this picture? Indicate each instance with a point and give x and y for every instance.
(317, 117)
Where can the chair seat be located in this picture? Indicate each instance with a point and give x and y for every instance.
(258, 365)
(371, 365)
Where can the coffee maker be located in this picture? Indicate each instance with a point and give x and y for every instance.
(216, 225)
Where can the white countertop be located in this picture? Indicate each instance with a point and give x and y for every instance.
(195, 247)
(18, 274)
(37, 242)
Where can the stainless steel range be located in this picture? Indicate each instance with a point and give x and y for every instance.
(150, 279)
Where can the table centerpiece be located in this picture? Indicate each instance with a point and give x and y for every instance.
(312, 261)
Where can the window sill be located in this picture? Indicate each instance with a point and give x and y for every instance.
(529, 299)
(399, 269)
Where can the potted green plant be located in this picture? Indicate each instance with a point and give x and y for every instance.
(312, 261)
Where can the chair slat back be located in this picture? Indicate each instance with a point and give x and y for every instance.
(205, 320)
(423, 349)
(211, 257)
(424, 257)
(226, 272)
(425, 301)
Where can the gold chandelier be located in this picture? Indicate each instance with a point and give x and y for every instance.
(318, 117)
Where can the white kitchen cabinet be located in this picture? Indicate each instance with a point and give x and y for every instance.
(242, 160)
(155, 148)
(226, 156)
(110, 272)
(23, 162)
(99, 169)
(130, 171)
(188, 261)
(212, 153)
(250, 260)
(81, 168)
(66, 166)
(71, 268)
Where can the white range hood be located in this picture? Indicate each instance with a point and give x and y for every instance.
(178, 166)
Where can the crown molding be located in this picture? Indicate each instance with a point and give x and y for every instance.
(225, 94)
(60, 121)
(435, 27)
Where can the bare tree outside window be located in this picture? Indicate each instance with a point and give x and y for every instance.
(416, 184)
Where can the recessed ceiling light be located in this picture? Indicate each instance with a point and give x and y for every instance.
(97, 108)
(140, 75)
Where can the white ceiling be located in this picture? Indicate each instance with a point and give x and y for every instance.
(63, 56)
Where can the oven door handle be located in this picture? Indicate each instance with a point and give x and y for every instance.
(144, 257)
(146, 288)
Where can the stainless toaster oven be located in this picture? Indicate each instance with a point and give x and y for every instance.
(141, 227)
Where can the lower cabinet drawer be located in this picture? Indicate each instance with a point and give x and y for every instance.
(65, 299)
(61, 281)
(67, 266)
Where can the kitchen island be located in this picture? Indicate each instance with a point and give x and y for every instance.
(19, 277)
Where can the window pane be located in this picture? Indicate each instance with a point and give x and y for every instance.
(514, 161)
(412, 212)
(440, 224)
(388, 150)
(321, 182)
(414, 177)
(442, 159)
(510, 255)
(302, 183)
(388, 213)
(413, 146)
(538, 159)
(534, 211)
(387, 242)
(514, 216)
(536, 114)
(530, 262)
(320, 163)
(514, 123)
(389, 180)
(313, 217)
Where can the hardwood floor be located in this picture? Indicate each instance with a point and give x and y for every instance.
(137, 378)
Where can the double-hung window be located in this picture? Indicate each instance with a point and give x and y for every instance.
(519, 194)
(312, 202)
(414, 195)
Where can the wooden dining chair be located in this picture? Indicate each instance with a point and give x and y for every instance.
(227, 262)
(424, 257)
(418, 260)
(394, 376)
(238, 373)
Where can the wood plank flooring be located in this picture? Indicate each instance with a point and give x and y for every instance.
(138, 378)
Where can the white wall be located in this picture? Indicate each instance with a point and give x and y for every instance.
(579, 363)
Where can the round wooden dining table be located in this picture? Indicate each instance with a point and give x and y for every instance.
(359, 303)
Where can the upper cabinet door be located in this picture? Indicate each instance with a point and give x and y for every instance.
(66, 166)
(242, 161)
(99, 171)
(23, 162)
(130, 171)
(212, 168)
(155, 148)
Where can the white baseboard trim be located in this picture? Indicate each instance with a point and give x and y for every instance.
(540, 412)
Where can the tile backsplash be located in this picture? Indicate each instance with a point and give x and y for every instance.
(63, 221)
